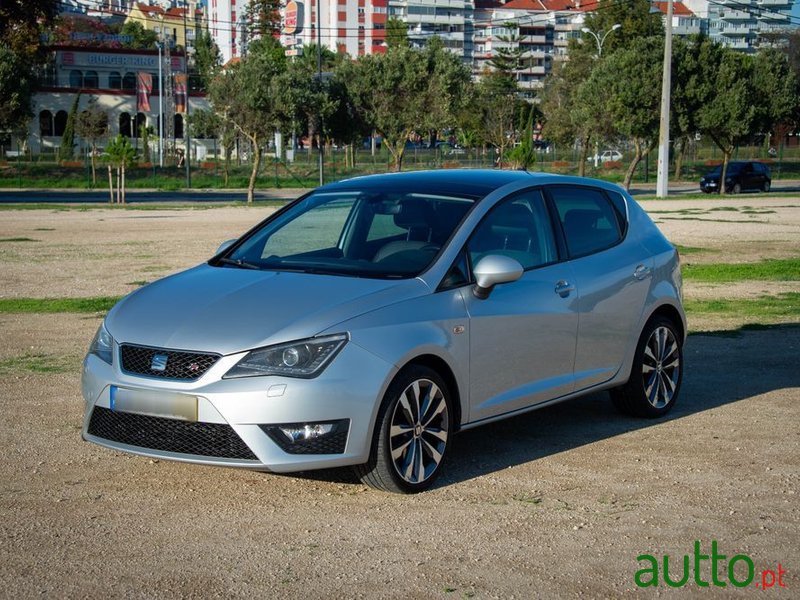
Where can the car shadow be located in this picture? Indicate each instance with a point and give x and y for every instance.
(720, 368)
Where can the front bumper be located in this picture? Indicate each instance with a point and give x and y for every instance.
(231, 421)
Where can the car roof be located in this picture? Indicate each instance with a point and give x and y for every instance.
(473, 183)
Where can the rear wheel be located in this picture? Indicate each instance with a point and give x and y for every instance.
(657, 371)
(412, 433)
(766, 186)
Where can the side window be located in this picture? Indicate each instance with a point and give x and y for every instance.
(620, 210)
(518, 227)
(590, 223)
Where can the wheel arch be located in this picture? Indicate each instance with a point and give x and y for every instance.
(670, 312)
(438, 364)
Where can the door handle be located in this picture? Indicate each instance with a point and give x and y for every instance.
(564, 288)
(641, 272)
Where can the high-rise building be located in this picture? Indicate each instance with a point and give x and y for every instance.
(226, 25)
(739, 24)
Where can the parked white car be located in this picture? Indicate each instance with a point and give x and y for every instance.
(606, 156)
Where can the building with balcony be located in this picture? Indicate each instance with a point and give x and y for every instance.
(354, 27)
(109, 77)
(740, 24)
(176, 25)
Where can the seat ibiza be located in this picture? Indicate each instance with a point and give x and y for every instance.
(372, 319)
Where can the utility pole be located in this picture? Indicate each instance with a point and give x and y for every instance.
(662, 181)
(319, 79)
(188, 140)
(160, 104)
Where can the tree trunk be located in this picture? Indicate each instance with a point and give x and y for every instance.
(680, 155)
(119, 190)
(726, 157)
(122, 184)
(251, 186)
(397, 150)
(110, 186)
(227, 163)
(584, 156)
(94, 170)
(637, 157)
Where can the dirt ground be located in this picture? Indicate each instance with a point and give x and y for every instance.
(558, 503)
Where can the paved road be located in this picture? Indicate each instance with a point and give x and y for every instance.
(134, 196)
(200, 195)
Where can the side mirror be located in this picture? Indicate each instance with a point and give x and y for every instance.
(224, 246)
(492, 270)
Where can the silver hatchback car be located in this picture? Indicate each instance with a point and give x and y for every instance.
(369, 321)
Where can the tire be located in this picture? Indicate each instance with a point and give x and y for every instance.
(765, 188)
(657, 371)
(737, 188)
(408, 449)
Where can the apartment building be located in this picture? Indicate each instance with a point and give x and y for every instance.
(739, 24)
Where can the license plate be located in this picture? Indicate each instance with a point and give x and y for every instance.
(153, 403)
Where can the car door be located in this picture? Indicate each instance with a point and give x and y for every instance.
(611, 269)
(522, 337)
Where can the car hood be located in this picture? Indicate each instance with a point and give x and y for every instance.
(229, 310)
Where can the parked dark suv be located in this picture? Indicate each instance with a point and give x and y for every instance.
(741, 176)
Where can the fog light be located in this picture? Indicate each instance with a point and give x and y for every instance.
(306, 432)
(327, 437)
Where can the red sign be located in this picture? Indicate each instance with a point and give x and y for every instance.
(292, 17)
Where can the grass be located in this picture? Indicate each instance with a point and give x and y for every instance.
(684, 250)
(765, 308)
(786, 269)
(18, 239)
(36, 363)
(99, 304)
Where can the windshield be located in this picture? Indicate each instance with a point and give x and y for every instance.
(732, 168)
(354, 233)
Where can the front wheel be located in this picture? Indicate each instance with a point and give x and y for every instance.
(413, 430)
(737, 188)
(657, 371)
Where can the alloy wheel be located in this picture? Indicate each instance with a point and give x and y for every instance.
(418, 431)
(661, 367)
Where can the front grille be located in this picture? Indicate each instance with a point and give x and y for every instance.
(186, 366)
(157, 433)
(332, 443)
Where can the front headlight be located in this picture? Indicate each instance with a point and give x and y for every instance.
(304, 358)
(102, 345)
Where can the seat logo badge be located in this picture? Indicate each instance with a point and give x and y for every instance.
(458, 329)
(159, 362)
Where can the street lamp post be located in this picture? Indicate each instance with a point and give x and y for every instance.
(599, 38)
(160, 107)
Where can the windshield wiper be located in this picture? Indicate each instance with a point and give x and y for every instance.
(237, 262)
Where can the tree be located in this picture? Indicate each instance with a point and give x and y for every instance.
(92, 126)
(207, 124)
(243, 95)
(67, 148)
(572, 113)
(776, 90)
(120, 155)
(498, 107)
(21, 22)
(408, 90)
(141, 38)
(508, 57)
(396, 33)
(636, 21)
(730, 116)
(523, 155)
(15, 92)
(694, 68)
(207, 58)
(302, 99)
(629, 83)
(263, 18)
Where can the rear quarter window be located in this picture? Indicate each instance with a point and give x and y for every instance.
(590, 221)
